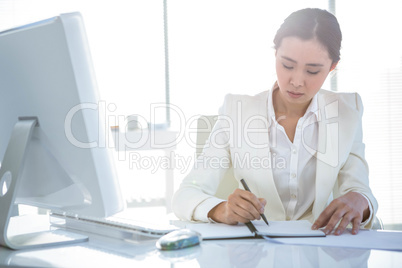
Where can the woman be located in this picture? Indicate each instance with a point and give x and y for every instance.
(298, 147)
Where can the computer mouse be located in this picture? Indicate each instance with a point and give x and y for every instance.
(178, 239)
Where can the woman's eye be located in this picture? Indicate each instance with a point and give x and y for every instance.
(310, 72)
(287, 67)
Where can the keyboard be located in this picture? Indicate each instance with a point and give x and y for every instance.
(115, 227)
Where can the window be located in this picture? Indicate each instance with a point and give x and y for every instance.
(126, 41)
(371, 64)
(221, 47)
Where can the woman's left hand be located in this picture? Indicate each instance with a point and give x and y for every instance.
(349, 208)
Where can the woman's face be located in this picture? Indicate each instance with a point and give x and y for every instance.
(302, 67)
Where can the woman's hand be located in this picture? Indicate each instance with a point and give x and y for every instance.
(349, 208)
(242, 206)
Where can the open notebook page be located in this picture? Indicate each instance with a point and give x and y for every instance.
(287, 229)
(275, 229)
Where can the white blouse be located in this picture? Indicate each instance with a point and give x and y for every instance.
(294, 168)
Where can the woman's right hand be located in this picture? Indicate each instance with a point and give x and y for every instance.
(242, 206)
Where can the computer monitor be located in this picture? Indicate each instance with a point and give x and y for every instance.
(53, 133)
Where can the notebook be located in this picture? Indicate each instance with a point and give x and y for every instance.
(255, 229)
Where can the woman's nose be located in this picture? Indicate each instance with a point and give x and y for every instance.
(297, 80)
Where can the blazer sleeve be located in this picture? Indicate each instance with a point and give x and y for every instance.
(354, 174)
(196, 192)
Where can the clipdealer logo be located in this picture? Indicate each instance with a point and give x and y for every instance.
(229, 132)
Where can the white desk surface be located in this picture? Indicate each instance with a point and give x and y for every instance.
(102, 251)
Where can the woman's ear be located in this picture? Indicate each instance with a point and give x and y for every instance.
(333, 66)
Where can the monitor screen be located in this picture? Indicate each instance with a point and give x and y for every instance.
(46, 73)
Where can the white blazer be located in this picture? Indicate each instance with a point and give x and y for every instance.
(241, 133)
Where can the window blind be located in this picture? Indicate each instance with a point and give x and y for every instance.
(371, 64)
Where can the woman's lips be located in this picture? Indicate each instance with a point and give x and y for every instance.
(295, 94)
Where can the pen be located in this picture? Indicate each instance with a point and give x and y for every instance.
(248, 189)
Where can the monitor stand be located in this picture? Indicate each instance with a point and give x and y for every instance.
(10, 177)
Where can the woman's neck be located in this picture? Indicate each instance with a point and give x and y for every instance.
(283, 107)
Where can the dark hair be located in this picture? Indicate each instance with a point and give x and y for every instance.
(312, 23)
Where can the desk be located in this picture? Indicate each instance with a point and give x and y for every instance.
(107, 252)
(102, 251)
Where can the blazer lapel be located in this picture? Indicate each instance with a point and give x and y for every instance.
(264, 176)
(327, 153)
(267, 188)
